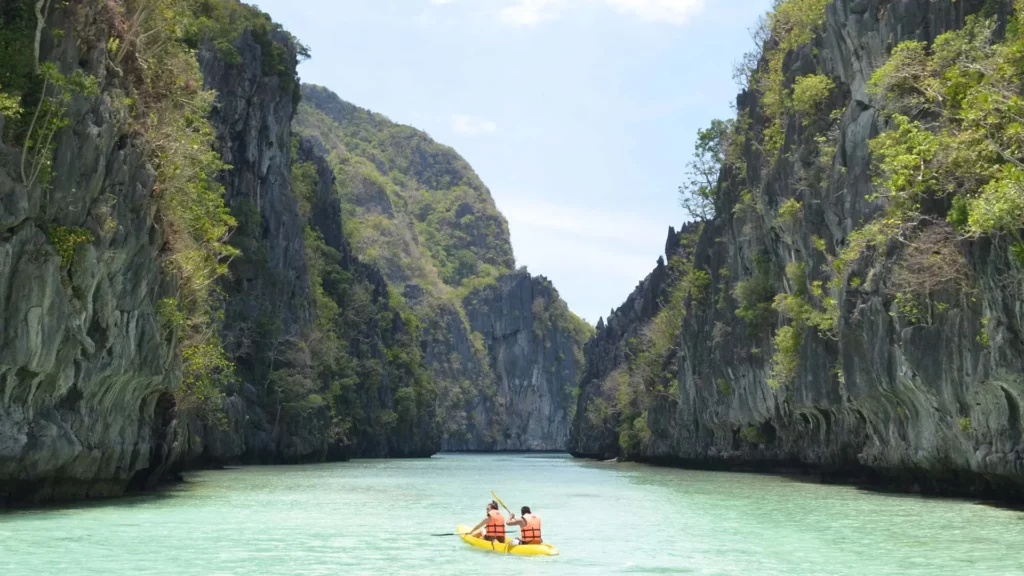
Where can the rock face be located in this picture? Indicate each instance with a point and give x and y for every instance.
(932, 405)
(438, 220)
(269, 281)
(88, 377)
(82, 362)
(532, 356)
(505, 357)
(270, 307)
(606, 352)
(421, 436)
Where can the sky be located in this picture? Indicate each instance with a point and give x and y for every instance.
(579, 115)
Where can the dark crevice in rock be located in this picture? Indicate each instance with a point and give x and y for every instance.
(1013, 417)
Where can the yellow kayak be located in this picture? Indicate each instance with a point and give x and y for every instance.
(506, 548)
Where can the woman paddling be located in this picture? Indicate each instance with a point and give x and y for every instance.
(492, 527)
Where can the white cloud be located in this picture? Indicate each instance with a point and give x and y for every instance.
(441, 2)
(670, 11)
(465, 124)
(532, 12)
(581, 222)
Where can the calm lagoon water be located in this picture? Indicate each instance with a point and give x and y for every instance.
(375, 517)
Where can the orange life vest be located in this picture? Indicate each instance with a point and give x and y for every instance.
(530, 533)
(495, 525)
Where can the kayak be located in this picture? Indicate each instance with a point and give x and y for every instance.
(506, 548)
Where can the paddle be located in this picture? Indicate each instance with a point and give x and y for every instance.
(500, 502)
(508, 545)
(446, 534)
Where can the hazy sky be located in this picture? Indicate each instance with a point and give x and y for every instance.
(579, 115)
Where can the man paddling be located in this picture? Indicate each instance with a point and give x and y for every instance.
(492, 527)
(529, 527)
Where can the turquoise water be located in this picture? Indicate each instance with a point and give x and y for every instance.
(375, 517)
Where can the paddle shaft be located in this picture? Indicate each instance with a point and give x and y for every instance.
(457, 534)
(502, 503)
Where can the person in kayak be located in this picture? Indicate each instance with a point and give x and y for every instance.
(529, 527)
(492, 527)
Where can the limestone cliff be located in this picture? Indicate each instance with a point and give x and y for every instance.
(533, 356)
(128, 194)
(919, 400)
(594, 433)
(269, 281)
(502, 347)
(82, 360)
(293, 334)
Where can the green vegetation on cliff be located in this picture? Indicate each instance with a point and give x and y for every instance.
(946, 169)
(865, 260)
(649, 377)
(159, 97)
(958, 132)
(808, 299)
(270, 330)
(221, 22)
(792, 23)
(416, 209)
(168, 105)
(361, 349)
(712, 150)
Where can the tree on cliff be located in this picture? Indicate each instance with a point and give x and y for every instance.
(697, 194)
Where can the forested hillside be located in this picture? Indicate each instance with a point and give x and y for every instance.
(417, 210)
(849, 299)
